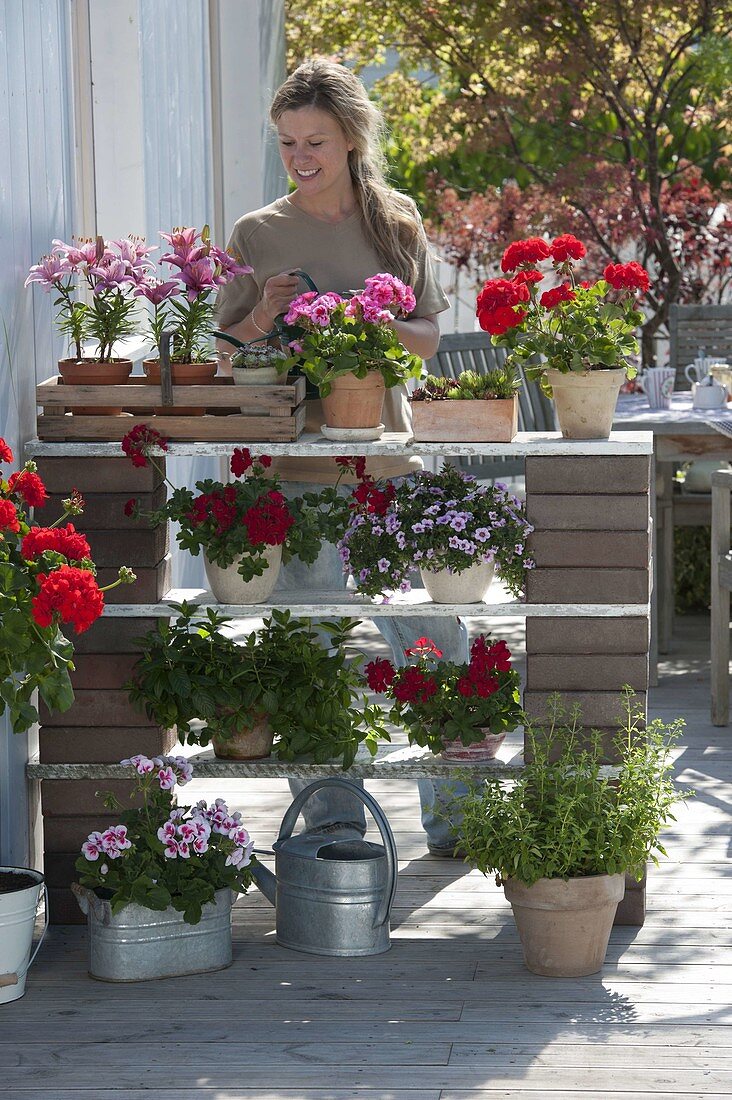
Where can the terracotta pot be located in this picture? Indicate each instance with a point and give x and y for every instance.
(480, 750)
(492, 421)
(183, 374)
(254, 743)
(355, 402)
(87, 372)
(228, 586)
(585, 401)
(564, 926)
(470, 586)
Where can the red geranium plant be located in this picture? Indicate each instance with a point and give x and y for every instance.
(47, 580)
(232, 522)
(439, 701)
(571, 326)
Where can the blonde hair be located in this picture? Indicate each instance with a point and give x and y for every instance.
(390, 220)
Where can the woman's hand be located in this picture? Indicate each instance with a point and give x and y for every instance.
(278, 292)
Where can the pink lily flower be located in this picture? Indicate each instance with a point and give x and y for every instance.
(83, 253)
(110, 274)
(49, 272)
(198, 278)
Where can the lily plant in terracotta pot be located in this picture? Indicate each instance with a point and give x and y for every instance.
(245, 528)
(462, 711)
(182, 305)
(561, 837)
(109, 272)
(348, 349)
(576, 337)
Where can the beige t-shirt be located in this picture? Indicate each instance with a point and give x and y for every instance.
(281, 237)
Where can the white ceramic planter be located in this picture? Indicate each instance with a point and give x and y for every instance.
(17, 917)
(470, 586)
(257, 376)
(585, 401)
(228, 586)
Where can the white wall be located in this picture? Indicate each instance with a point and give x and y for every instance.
(35, 206)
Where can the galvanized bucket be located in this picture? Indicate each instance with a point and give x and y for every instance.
(334, 889)
(138, 944)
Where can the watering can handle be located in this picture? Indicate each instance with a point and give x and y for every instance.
(242, 345)
(290, 820)
(46, 920)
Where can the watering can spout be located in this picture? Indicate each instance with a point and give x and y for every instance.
(265, 880)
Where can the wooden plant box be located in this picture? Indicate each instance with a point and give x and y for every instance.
(491, 421)
(274, 414)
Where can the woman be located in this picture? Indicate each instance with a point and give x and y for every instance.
(342, 224)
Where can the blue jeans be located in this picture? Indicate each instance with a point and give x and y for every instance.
(450, 635)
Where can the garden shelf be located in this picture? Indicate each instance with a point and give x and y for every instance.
(274, 413)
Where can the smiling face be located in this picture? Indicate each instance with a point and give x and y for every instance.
(314, 151)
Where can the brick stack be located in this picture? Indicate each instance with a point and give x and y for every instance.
(591, 544)
(101, 726)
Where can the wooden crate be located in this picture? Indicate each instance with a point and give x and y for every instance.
(274, 413)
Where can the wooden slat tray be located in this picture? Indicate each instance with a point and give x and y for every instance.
(277, 412)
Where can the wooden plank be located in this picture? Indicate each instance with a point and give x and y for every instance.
(136, 394)
(233, 427)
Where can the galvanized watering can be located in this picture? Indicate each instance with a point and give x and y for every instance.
(332, 890)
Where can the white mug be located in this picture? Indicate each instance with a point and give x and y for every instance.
(658, 384)
(698, 370)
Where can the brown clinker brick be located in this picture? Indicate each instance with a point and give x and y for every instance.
(555, 512)
(149, 587)
(590, 549)
(101, 745)
(603, 709)
(63, 907)
(588, 586)
(583, 672)
(101, 670)
(587, 636)
(67, 834)
(88, 475)
(96, 707)
(135, 547)
(78, 797)
(613, 474)
(106, 511)
(113, 635)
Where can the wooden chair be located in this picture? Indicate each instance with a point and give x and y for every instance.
(721, 584)
(694, 327)
(459, 351)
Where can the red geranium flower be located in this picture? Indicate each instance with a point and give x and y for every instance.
(71, 593)
(241, 461)
(269, 520)
(63, 540)
(630, 276)
(527, 277)
(130, 506)
(380, 674)
(495, 306)
(566, 248)
(414, 686)
(530, 251)
(551, 298)
(138, 442)
(265, 460)
(423, 647)
(358, 465)
(8, 516)
(29, 486)
(465, 687)
(6, 455)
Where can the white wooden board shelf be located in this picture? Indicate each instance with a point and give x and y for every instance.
(530, 444)
(344, 604)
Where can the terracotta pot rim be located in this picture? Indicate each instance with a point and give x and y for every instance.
(87, 362)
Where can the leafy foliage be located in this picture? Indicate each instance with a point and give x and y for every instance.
(293, 671)
(692, 569)
(562, 818)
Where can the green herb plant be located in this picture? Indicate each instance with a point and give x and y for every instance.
(499, 383)
(563, 817)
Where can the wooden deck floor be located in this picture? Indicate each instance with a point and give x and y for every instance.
(449, 1013)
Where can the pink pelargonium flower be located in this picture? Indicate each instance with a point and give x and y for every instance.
(386, 290)
(239, 858)
(166, 778)
(49, 272)
(183, 767)
(166, 832)
(115, 841)
(365, 309)
(299, 307)
(171, 849)
(240, 836)
(142, 764)
(200, 845)
(92, 847)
